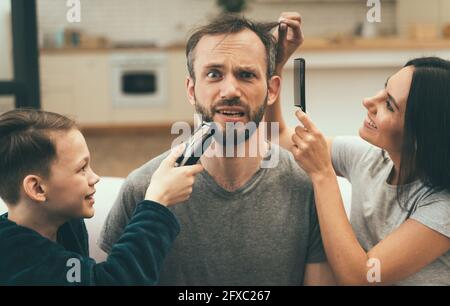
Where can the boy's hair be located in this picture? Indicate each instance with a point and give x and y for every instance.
(26, 147)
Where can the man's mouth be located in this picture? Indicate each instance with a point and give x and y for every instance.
(231, 112)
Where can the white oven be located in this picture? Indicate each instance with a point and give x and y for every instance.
(139, 79)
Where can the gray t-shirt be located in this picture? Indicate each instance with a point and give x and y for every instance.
(264, 233)
(375, 212)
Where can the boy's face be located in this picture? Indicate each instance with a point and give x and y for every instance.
(70, 187)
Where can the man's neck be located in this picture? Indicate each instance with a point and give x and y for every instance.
(24, 214)
(231, 173)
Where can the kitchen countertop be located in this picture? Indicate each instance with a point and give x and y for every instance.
(385, 43)
(109, 49)
(310, 44)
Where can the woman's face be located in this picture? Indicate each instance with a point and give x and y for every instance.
(383, 126)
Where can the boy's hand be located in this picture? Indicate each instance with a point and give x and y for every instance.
(169, 184)
(289, 37)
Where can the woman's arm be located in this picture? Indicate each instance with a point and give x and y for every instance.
(273, 114)
(401, 254)
(319, 274)
(289, 37)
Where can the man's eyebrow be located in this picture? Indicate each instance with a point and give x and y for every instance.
(213, 65)
(391, 98)
(251, 68)
(220, 65)
(248, 67)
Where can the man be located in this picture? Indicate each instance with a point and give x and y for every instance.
(244, 224)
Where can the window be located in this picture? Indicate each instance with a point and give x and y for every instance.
(19, 69)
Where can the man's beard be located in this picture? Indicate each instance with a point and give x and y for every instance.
(221, 135)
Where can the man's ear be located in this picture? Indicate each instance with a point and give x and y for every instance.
(190, 89)
(273, 89)
(34, 188)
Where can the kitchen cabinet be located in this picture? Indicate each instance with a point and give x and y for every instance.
(76, 85)
(430, 12)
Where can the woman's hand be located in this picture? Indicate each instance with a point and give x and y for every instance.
(310, 149)
(169, 184)
(289, 37)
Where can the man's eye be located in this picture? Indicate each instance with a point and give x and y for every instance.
(213, 74)
(247, 75)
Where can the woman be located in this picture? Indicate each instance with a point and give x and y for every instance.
(400, 173)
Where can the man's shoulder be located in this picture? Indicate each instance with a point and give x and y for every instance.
(146, 169)
(138, 180)
(287, 166)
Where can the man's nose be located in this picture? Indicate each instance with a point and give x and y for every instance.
(230, 88)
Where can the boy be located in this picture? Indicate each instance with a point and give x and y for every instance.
(48, 186)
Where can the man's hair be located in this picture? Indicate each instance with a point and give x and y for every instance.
(26, 147)
(230, 24)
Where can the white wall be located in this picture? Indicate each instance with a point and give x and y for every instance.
(167, 21)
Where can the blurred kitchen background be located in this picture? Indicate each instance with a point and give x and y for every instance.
(121, 71)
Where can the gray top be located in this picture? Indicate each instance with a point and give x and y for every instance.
(264, 233)
(375, 212)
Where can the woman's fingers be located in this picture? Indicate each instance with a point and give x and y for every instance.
(294, 25)
(303, 139)
(301, 131)
(295, 151)
(294, 21)
(291, 15)
(306, 121)
(296, 139)
(299, 142)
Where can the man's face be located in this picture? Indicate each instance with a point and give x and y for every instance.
(70, 187)
(231, 79)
